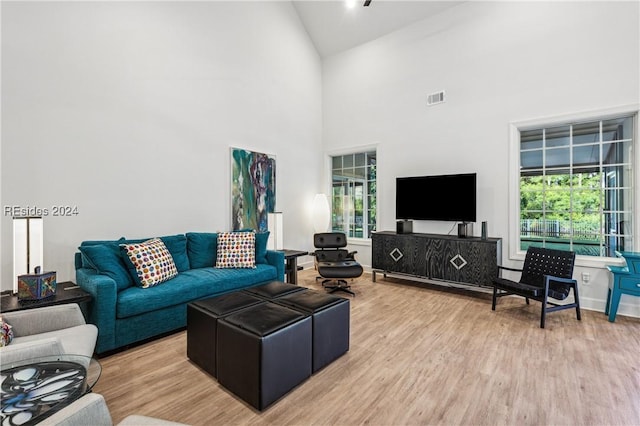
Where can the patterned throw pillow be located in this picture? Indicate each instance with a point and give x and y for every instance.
(6, 333)
(152, 262)
(236, 250)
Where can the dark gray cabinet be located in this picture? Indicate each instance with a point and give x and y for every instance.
(471, 261)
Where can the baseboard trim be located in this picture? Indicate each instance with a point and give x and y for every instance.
(627, 307)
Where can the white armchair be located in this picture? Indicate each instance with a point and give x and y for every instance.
(51, 330)
(58, 330)
(92, 410)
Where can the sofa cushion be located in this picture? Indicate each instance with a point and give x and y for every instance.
(236, 250)
(106, 259)
(114, 243)
(188, 286)
(177, 246)
(150, 262)
(202, 249)
(261, 246)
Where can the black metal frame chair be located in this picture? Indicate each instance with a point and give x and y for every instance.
(334, 263)
(546, 273)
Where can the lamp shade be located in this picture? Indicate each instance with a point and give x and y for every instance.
(321, 213)
(275, 226)
(28, 246)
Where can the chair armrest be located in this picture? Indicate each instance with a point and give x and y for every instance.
(42, 320)
(31, 349)
(509, 269)
(622, 270)
(560, 280)
(138, 420)
(90, 409)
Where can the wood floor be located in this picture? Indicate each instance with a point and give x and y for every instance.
(419, 355)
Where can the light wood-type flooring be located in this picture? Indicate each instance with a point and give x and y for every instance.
(420, 354)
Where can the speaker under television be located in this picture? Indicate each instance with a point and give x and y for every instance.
(465, 230)
(404, 227)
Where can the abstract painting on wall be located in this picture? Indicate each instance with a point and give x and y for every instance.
(253, 189)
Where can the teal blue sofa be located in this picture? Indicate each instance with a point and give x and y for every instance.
(125, 313)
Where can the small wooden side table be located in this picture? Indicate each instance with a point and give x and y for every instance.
(66, 292)
(291, 264)
(626, 280)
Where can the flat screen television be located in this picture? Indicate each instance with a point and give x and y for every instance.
(442, 197)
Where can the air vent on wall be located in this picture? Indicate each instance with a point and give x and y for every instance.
(436, 98)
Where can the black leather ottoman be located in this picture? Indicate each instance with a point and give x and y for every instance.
(202, 325)
(263, 352)
(330, 321)
(273, 289)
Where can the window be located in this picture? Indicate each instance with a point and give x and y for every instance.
(576, 186)
(353, 198)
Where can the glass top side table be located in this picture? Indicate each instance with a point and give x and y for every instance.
(35, 388)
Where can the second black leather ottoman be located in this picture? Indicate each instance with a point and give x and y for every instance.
(330, 321)
(263, 352)
(202, 325)
(273, 289)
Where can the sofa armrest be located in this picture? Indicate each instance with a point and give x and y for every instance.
(90, 409)
(42, 320)
(276, 258)
(102, 308)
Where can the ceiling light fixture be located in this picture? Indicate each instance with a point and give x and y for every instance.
(350, 4)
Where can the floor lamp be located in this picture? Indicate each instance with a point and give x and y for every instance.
(275, 227)
(321, 213)
(27, 246)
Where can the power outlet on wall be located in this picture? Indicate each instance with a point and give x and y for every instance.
(586, 277)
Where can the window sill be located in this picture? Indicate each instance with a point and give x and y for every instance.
(359, 241)
(584, 261)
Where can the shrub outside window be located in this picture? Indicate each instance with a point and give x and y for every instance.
(576, 186)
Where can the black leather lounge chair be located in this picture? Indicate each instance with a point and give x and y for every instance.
(334, 263)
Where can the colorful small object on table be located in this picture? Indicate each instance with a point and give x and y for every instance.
(6, 333)
(36, 286)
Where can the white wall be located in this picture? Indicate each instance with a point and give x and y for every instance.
(127, 110)
(499, 62)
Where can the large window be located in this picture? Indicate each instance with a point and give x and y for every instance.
(576, 186)
(353, 198)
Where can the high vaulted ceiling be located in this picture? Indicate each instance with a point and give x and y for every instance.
(334, 27)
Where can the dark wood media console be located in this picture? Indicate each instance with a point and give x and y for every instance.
(469, 261)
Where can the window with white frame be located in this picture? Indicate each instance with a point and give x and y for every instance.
(353, 194)
(576, 186)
